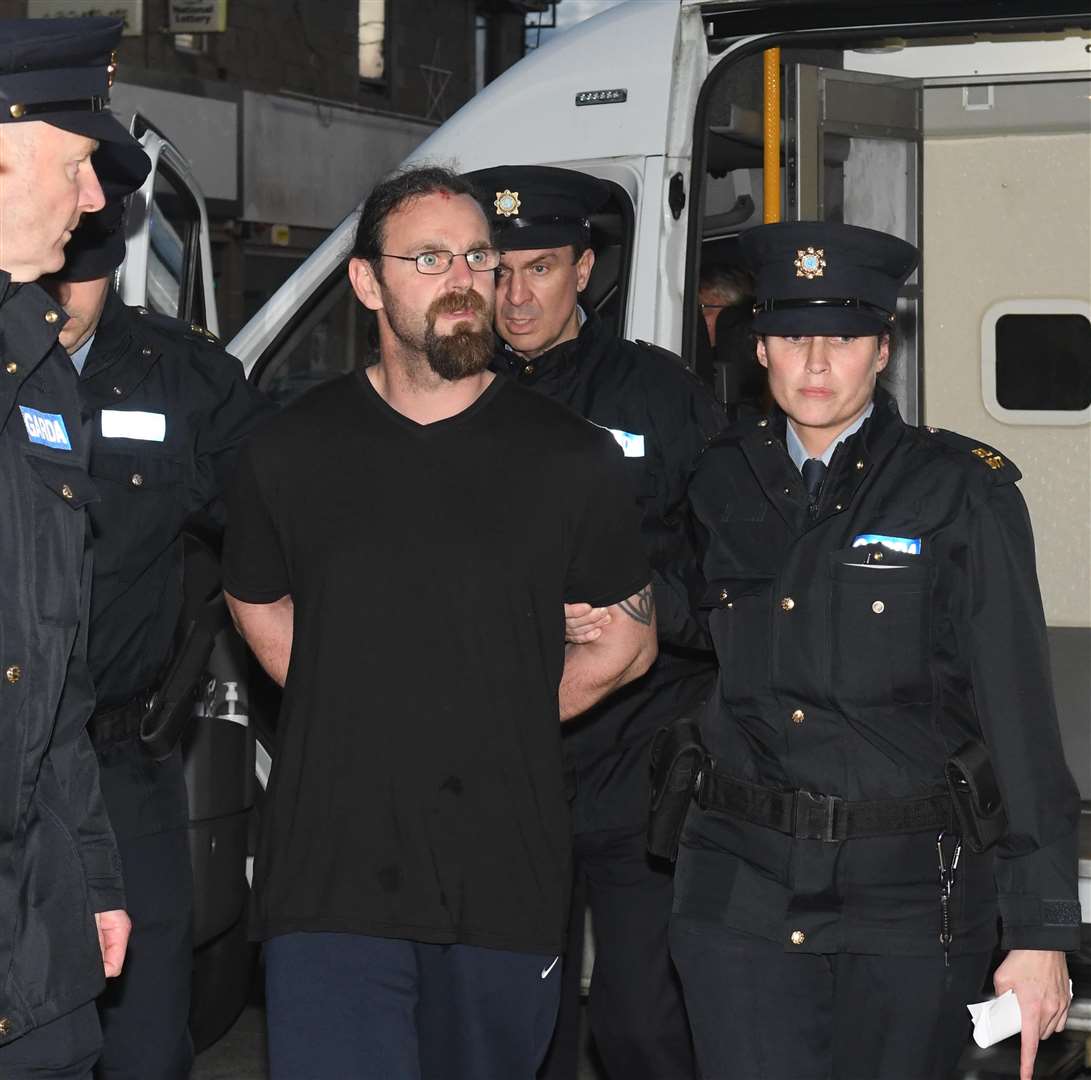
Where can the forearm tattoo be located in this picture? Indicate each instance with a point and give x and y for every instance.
(640, 607)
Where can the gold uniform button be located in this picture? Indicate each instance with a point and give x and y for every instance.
(16, 111)
(878, 607)
(798, 937)
(11, 367)
(118, 391)
(878, 556)
(146, 351)
(763, 423)
(859, 465)
(5, 1023)
(51, 317)
(839, 507)
(797, 716)
(723, 594)
(67, 492)
(13, 674)
(137, 479)
(529, 369)
(787, 604)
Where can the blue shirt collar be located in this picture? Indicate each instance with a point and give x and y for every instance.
(79, 357)
(799, 455)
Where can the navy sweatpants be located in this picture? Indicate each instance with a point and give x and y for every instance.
(373, 1008)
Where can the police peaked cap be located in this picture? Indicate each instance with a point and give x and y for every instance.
(825, 278)
(97, 247)
(538, 206)
(60, 71)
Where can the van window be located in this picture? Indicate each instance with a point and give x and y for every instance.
(1036, 361)
(1043, 362)
(173, 234)
(335, 333)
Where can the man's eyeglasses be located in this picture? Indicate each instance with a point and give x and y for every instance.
(439, 262)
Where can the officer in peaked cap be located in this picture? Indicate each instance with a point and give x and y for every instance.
(169, 408)
(60, 71)
(61, 896)
(662, 418)
(872, 597)
(539, 206)
(822, 277)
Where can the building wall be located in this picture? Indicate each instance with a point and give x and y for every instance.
(310, 47)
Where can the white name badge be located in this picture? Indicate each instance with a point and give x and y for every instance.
(130, 424)
(631, 445)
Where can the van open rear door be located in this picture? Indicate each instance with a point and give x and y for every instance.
(168, 254)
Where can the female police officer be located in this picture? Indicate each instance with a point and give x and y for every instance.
(874, 605)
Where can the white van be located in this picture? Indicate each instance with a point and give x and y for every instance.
(964, 127)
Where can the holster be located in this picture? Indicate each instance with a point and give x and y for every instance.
(678, 759)
(972, 783)
(171, 707)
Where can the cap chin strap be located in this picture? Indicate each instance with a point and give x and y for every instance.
(544, 219)
(21, 111)
(850, 303)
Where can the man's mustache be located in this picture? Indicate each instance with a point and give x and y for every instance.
(451, 302)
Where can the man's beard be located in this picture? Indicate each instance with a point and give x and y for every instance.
(465, 351)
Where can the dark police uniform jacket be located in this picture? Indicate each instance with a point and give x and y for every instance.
(853, 676)
(169, 409)
(58, 861)
(636, 389)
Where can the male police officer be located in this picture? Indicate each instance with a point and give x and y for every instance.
(662, 417)
(876, 615)
(61, 896)
(169, 408)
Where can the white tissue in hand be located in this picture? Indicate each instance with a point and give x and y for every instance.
(995, 1019)
(998, 1018)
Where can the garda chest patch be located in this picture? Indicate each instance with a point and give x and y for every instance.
(631, 445)
(46, 428)
(905, 545)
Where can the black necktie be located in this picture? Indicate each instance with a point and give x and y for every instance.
(814, 472)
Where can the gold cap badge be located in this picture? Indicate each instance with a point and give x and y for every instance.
(507, 203)
(810, 262)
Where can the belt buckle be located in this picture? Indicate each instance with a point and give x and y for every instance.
(814, 816)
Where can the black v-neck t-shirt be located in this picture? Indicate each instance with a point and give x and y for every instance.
(417, 787)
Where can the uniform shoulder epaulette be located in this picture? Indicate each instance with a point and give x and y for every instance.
(976, 453)
(666, 354)
(661, 354)
(739, 429)
(192, 331)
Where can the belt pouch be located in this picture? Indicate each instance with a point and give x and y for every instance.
(973, 788)
(677, 758)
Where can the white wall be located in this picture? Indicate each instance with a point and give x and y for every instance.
(1010, 216)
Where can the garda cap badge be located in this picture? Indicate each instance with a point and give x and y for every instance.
(507, 203)
(990, 457)
(810, 262)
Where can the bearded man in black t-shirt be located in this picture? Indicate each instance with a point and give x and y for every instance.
(400, 546)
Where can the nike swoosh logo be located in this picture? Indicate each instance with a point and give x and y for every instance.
(546, 971)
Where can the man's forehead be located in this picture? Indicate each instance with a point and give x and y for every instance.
(425, 216)
(71, 142)
(532, 255)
